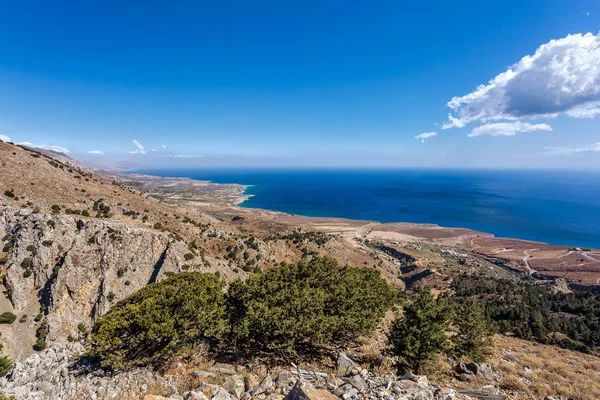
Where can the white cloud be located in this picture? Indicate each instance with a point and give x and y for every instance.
(96, 152)
(424, 136)
(140, 149)
(4, 138)
(164, 147)
(53, 147)
(153, 150)
(568, 151)
(507, 129)
(561, 77)
(183, 155)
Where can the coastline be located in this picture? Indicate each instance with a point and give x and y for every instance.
(238, 196)
(226, 202)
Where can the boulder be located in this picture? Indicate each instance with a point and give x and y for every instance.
(264, 387)
(285, 381)
(222, 368)
(471, 368)
(222, 394)
(195, 396)
(420, 379)
(332, 382)
(235, 385)
(304, 390)
(345, 365)
(358, 383)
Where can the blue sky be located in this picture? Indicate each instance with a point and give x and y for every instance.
(312, 83)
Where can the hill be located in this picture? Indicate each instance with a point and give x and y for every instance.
(76, 241)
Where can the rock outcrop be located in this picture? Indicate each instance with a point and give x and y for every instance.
(54, 374)
(72, 269)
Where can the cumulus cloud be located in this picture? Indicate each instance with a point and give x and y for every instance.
(569, 151)
(96, 152)
(4, 138)
(561, 77)
(424, 136)
(508, 129)
(164, 147)
(139, 148)
(53, 147)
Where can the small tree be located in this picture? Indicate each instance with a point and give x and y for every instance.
(473, 332)
(293, 307)
(420, 333)
(6, 365)
(154, 323)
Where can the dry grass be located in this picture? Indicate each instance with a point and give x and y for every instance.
(531, 370)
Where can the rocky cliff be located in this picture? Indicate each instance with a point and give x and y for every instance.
(70, 270)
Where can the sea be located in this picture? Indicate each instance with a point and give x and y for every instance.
(557, 207)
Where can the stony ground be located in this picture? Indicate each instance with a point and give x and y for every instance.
(55, 374)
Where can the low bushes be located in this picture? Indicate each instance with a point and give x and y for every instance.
(313, 302)
(6, 365)
(7, 318)
(430, 326)
(288, 308)
(154, 323)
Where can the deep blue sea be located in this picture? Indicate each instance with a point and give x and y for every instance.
(559, 207)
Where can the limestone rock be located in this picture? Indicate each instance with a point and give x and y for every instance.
(222, 394)
(304, 390)
(235, 385)
(345, 365)
(285, 381)
(265, 386)
(195, 396)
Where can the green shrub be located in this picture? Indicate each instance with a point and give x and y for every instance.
(5, 397)
(3, 260)
(420, 333)
(6, 365)
(294, 307)
(27, 262)
(9, 193)
(30, 248)
(38, 317)
(472, 338)
(40, 345)
(7, 318)
(188, 256)
(154, 323)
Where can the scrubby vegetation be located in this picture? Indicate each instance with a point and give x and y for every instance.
(7, 317)
(430, 326)
(532, 312)
(6, 365)
(316, 301)
(420, 332)
(285, 308)
(154, 323)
